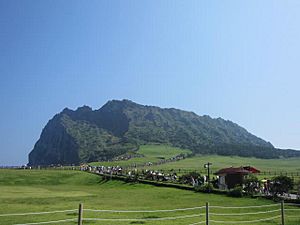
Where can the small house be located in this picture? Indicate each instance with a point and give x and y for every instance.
(233, 176)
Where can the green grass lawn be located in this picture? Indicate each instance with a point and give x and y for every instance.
(47, 190)
(152, 153)
(268, 167)
(218, 162)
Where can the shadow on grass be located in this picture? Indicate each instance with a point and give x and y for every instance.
(137, 222)
(151, 217)
(103, 180)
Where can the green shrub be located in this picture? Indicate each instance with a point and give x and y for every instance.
(206, 188)
(281, 184)
(236, 192)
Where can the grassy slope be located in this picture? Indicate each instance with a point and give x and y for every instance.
(152, 153)
(218, 162)
(47, 190)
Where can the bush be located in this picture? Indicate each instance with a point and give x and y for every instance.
(206, 188)
(281, 184)
(236, 192)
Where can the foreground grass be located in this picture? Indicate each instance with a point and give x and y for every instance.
(47, 190)
(151, 153)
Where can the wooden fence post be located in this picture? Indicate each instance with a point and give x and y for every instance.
(282, 212)
(207, 213)
(80, 214)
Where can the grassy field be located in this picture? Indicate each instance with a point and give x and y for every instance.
(218, 162)
(151, 153)
(47, 190)
(154, 153)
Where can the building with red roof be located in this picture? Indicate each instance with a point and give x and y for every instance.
(230, 177)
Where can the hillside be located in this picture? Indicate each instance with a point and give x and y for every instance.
(154, 154)
(146, 154)
(87, 135)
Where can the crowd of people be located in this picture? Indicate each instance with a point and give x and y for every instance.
(154, 175)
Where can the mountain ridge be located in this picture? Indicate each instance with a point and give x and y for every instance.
(119, 126)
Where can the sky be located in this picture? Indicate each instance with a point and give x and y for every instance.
(238, 60)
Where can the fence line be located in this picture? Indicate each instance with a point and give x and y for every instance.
(244, 207)
(143, 211)
(264, 172)
(144, 219)
(148, 211)
(292, 209)
(49, 222)
(201, 222)
(37, 213)
(246, 221)
(293, 204)
(206, 215)
(239, 214)
(187, 170)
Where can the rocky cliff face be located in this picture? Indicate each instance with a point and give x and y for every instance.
(55, 146)
(86, 135)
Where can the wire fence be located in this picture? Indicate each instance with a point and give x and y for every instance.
(50, 222)
(206, 214)
(37, 213)
(262, 173)
(295, 174)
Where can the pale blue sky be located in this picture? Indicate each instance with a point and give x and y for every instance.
(239, 60)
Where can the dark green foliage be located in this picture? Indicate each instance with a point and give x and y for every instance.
(86, 135)
(281, 184)
(206, 188)
(236, 192)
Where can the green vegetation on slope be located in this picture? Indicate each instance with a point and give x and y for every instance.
(151, 153)
(94, 143)
(28, 194)
(161, 151)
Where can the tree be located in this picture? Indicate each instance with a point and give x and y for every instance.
(280, 185)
